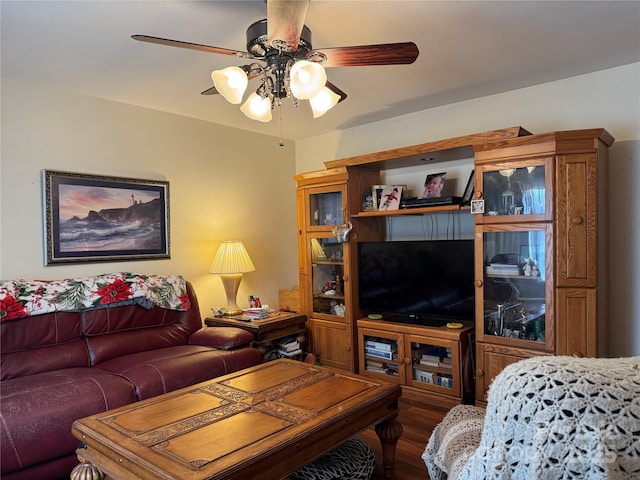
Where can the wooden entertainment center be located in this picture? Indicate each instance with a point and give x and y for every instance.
(540, 257)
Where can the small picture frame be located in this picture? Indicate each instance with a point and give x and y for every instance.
(468, 191)
(433, 185)
(254, 301)
(390, 198)
(367, 200)
(477, 207)
(376, 195)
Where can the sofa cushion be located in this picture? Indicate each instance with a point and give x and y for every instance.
(160, 371)
(113, 332)
(45, 342)
(38, 411)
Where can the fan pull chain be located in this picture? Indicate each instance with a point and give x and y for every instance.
(281, 139)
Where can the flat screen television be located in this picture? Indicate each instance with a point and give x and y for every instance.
(424, 282)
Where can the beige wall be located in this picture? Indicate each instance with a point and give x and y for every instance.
(225, 184)
(229, 184)
(609, 99)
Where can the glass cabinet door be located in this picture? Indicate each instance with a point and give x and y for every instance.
(434, 364)
(381, 354)
(327, 276)
(326, 207)
(515, 304)
(516, 189)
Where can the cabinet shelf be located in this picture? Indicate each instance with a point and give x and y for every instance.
(327, 263)
(322, 295)
(514, 277)
(433, 368)
(412, 211)
(381, 359)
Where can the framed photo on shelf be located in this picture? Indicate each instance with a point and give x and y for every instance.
(376, 194)
(93, 218)
(433, 185)
(468, 191)
(390, 197)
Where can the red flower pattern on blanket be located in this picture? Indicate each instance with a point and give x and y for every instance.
(118, 291)
(23, 298)
(10, 308)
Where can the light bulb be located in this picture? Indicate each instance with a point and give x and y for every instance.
(307, 78)
(323, 101)
(257, 108)
(231, 82)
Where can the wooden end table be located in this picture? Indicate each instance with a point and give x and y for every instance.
(262, 422)
(268, 330)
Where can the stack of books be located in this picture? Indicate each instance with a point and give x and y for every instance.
(381, 349)
(437, 357)
(288, 347)
(502, 269)
(255, 312)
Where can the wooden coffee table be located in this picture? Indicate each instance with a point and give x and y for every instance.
(260, 423)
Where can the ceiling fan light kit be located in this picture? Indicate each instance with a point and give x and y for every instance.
(293, 69)
(231, 83)
(323, 101)
(257, 108)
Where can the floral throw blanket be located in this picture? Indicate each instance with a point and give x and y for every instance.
(23, 298)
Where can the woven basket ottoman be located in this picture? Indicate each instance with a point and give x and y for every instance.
(352, 460)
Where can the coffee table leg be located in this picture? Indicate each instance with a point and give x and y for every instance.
(389, 432)
(86, 471)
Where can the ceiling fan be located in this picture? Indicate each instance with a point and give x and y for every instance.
(286, 63)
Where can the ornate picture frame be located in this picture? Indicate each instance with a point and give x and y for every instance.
(94, 218)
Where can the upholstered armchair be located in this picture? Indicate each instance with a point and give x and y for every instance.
(546, 418)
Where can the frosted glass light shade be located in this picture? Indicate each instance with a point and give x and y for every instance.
(307, 78)
(257, 108)
(323, 101)
(231, 82)
(231, 257)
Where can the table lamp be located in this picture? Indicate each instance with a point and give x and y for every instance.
(230, 262)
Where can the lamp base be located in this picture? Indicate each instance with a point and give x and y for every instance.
(231, 282)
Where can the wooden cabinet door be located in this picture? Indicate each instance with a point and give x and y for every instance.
(332, 343)
(490, 361)
(576, 325)
(577, 214)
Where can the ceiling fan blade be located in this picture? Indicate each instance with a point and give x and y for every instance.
(336, 90)
(210, 91)
(368, 55)
(191, 46)
(285, 19)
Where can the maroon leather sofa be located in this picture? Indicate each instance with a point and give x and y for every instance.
(58, 367)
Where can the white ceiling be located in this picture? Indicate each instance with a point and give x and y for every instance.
(468, 49)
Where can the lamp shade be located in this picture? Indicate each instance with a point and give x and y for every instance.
(231, 257)
(231, 82)
(257, 108)
(323, 101)
(307, 78)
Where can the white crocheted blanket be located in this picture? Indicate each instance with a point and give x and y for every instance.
(552, 418)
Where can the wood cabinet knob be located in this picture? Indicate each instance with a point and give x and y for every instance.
(478, 283)
(478, 195)
(577, 220)
(345, 278)
(407, 361)
(480, 372)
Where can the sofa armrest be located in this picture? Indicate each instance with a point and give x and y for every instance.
(226, 338)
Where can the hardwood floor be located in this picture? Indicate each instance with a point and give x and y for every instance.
(417, 424)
